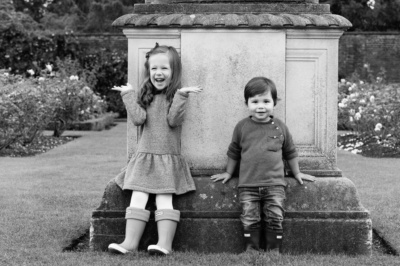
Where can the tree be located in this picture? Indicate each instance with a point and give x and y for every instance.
(35, 8)
(368, 15)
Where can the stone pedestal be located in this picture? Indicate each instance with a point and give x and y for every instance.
(222, 46)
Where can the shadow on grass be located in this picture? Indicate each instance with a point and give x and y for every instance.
(380, 245)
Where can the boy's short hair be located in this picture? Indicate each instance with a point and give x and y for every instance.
(260, 85)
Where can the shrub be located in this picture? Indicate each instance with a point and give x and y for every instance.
(25, 110)
(102, 69)
(29, 105)
(371, 109)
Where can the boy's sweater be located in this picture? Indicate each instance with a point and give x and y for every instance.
(261, 148)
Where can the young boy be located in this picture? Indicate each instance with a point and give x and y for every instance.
(260, 142)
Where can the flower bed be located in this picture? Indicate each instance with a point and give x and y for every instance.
(372, 111)
(29, 105)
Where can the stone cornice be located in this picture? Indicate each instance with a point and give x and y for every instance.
(263, 20)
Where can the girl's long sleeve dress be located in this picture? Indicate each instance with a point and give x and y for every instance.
(157, 166)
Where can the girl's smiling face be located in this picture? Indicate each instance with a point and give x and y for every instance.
(261, 107)
(160, 71)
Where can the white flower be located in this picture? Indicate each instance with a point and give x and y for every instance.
(357, 116)
(192, 16)
(371, 4)
(378, 127)
(366, 65)
(352, 111)
(342, 105)
(360, 109)
(362, 101)
(6, 74)
(73, 77)
(344, 100)
(49, 67)
(361, 82)
(41, 79)
(31, 72)
(372, 99)
(351, 119)
(342, 80)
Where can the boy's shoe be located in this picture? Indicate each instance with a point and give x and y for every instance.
(251, 239)
(117, 249)
(157, 250)
(273, 240)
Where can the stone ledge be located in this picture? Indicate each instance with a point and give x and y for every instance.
(218, 20)
(322, 236)
(235, 214)
(321, 217)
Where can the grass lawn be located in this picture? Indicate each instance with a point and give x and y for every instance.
(378, 184)
(47, 200)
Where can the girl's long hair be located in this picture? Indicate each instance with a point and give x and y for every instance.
(147, 90)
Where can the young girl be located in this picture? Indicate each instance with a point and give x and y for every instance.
(260, 142)
(157, 166)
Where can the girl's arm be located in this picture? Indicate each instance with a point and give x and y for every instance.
(176, 112)
(230, 168)
(129, 97)
(299, 176)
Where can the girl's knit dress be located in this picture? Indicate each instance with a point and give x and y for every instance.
(157, 165)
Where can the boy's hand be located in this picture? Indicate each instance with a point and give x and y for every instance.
(122, 88)
(300, 177)
(195, 89)
(224, 177)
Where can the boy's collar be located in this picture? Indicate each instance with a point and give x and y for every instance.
(268, 122)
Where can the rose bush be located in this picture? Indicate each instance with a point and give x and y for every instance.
(371, 109)
(29, 105)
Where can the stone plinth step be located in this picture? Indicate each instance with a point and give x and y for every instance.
(322, 217)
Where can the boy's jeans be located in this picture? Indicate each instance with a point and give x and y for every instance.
(271, 199)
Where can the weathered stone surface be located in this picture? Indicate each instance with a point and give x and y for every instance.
(324, 216)
(325, 194)
(349, 236)
(229, 19)
(200, 235)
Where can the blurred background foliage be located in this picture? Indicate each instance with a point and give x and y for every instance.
(97, 15)
(368, 15)
(34, 33)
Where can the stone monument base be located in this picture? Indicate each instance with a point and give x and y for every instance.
(321, 217)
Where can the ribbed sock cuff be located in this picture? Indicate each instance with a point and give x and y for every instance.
(167, 214)
(137, 214)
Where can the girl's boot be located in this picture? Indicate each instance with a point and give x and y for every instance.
(251, 238)
(167, 220)
(136, 220)
(273, 240)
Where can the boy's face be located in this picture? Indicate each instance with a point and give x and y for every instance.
(261, 107)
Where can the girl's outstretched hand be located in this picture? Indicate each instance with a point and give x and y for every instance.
(122, 88)
(300, 177)
(194, 89)
(224, 177)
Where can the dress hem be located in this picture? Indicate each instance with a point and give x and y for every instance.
(156, 191)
